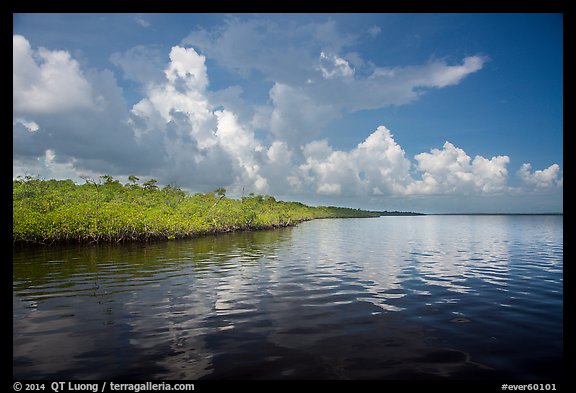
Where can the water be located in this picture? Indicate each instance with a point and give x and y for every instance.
(433, 297)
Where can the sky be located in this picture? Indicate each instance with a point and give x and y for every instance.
(436, 113)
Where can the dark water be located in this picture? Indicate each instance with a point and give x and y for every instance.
(431, 297)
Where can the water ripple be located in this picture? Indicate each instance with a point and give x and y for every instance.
(395, 297)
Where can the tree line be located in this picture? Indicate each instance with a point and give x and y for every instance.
(104, 210)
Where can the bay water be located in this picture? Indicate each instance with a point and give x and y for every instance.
(423, 297)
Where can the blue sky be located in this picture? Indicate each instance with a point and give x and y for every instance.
(426, 112)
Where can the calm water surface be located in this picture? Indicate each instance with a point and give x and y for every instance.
(428, 297)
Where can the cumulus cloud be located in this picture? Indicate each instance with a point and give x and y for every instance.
(80, 116)
(451, 170)
(188, 66)
(377, 166)
(182, 132)
(39, 77)
(142, 64)
(490, 174)
(239, 142)
(296, 116)
(195, 143)
(183, 95)
(334, 67)
(177, 114)
(310, 67)
(541, 179)
(208, 147)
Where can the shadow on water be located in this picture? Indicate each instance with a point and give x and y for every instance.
(363, 347)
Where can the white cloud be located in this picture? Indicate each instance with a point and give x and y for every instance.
(237, 46)
(182, 95)
(438, 74)
(177, 113)
(446, 170)
(79, 116)
(541, 179)
(242, 147)
(374, 31)
(182, 132)
(450, 170)
(285, 53)
(141, 64)
(189, 66)
(30, 125)
(340, 87)
(490, 175)
(39, 78)
(383, 162)
(317, 150)
(377, 166)
(402, 85)
(329, 189)
(334, 66)
(141, 21)
(311, 72)
(48, 165)
(296, 116)
(197, 138)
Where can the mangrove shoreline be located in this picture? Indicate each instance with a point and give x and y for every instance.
(48, 212)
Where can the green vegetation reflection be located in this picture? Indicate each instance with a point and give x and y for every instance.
(84, 269)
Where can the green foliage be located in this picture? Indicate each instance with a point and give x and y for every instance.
(133, 179)
(221, 192)
(48, 211)
(150, 184)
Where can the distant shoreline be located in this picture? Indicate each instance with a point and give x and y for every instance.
(60, 211)
(494, 214)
